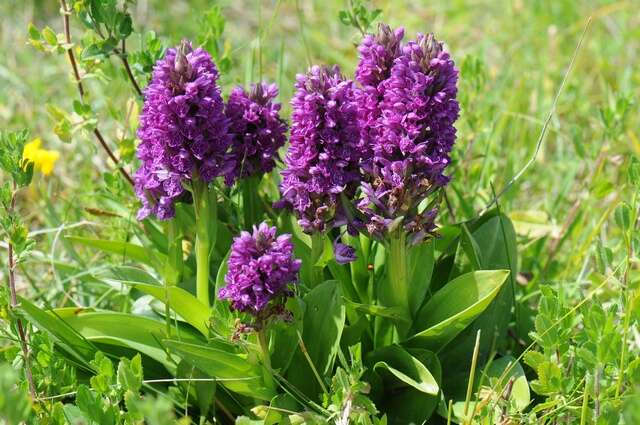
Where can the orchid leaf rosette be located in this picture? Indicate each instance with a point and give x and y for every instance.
(184, 145)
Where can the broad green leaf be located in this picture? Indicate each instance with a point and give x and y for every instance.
(405, 369)
(324, 319)
(454, 307)
(284, 336)
(496, 239)
(235, 371)
(204, 391)
(127, 330)
(408, 405)
(125, 249)
(65, 336)
(327, 252)
(182, 302)
(394, 313)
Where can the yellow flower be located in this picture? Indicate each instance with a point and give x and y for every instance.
(43, 159)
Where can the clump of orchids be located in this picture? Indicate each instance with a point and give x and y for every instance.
(365, 156)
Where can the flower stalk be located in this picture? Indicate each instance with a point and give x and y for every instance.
(317, 248)
(173, 267)
(250, 201)
(266, 357)
(205, 207)
(394, 290)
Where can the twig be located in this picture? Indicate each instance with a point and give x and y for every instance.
(122, 54)
(14, 302)
(67, 33)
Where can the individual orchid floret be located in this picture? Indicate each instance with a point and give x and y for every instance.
(261, 268)
(183, 131)
(322, 165)
(256, 129)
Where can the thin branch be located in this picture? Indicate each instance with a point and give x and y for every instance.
(67, 33)
(122, 54)
(14, 302)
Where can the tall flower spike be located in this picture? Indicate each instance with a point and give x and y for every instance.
(256, 128)
(377, 55)
(183, 130)
(414, 133)
(322, 164)
(261, 268)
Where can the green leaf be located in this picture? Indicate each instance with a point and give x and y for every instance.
(404, 369)
(393, 313)
(127, 330)
(408, 405)
(623, 216)
(324, 319)
(182, 302)
(520, 396)
(455, 306)
(50, 36)
(496, 240)
(235, 371)
(65, 336)
(125, 249)
(327, 253)
(130, 374)
(205, 390)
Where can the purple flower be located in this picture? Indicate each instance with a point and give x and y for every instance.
(344, 254)
(256, 128)
(322, 164)
(410, 127)
(183, 130)
(377, 55)
(261, 267)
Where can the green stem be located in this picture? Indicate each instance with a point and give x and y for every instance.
(173, 266)
(266, 357)
(250, 201)
(205, 206)
(398, 278)
(317, 247)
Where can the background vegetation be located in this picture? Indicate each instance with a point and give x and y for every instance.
(574, 208)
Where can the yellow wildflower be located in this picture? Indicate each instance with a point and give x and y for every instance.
(43, 159)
